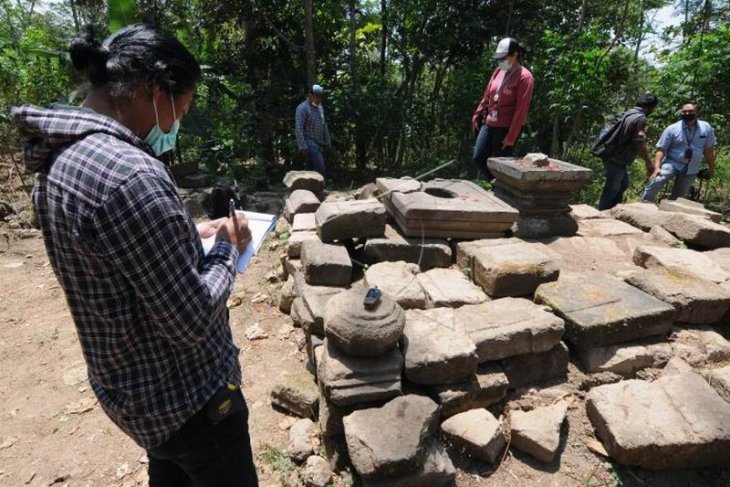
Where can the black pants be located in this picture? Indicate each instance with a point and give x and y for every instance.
(489, 144)
(203, 454)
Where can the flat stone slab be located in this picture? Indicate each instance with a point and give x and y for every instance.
(625, 359)
(467, 250)
(387, 186)
(697, 301)
(606, 227)
(478, 432)
(326, 264)
(340, 220)
(584, 212)
(557, 175)
(449, 288)
(690, 261)
(300, 201)
(487, 387)
(297, 239)
(437, 471)
(537, 432)
(602, 310)
(698, 230)
(663, 236)
(535, 368)
(309, 180)
(719, 379)
(349, 380)
(509, 326)
(699, 345)
(436, 352)
(296, 393)
(316, 299)
(304, 222)
(591, 254)
(641, 215)
(392, 440)
(398, 281)
(683, 205)
(513, 269)
(426, 253)
(675, 422)
(721, 257)
(452, 209)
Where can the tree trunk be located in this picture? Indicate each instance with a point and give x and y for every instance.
(360, 142)
(309, 43)
(555, 145)
(75, 16)
(641, 32)
(383, 34)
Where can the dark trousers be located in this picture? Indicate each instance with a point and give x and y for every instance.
(489, 144)
(617, 180)
(203, 454)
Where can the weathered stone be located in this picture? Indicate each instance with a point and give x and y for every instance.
(478, 432)
(452, 208)
(392, 440)
(606, 227)
(326, 264)
(584, 212)
(488, 387)
(467, 250)
(581, 254)
(699, 345)
(719, 379)
(359, 331)
(314, 346)
(534, 368)
(436, 352)
(689, 261)
(601, 310)
(301, 316)
(427, 253)
(625, 359)
(683, 205)
(437, 471)
(296, 240)
(640, 215)
(296, 393)
(308, 180)
(676, 366)
(353, 380)
(316, 472)
(449, 288)
(350, 219)
(663, 236)
(398, 281)
(304, 222)
(287, 295)
(316, 299)
(697, 230)
(300, 440)
(721, 257)
(388, 186)
(292, 266)
(300, 201)
(675, 422)
(696, 300)
(509, 326)
(537, 432)
(513, 269)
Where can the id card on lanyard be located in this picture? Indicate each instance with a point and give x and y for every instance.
(495, 112)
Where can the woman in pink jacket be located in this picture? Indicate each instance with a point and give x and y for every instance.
(502, 112)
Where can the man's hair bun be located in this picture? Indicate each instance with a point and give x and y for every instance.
(88, 54)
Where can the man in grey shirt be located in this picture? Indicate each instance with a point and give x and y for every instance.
(311, 129)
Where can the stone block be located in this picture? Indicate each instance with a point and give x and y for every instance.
(304, 222)
(719, 379)
(534, 368)
(316, 299)
(467, 250)
(537, 432)
(326, 264)
(398, 281)
(301, 316)
(300, 445)
(427, 253)
(487, 387)
(297, 239)
(436, 352)
(602, 310)
(392, 440)
(697, 301)
(341, 220)
(697, 230)
(675, 422)
(363, 332)
(557, 176)
(349, 381)
(509, 326)
(663, 236)
(689, 261)
(584, 212)
(437, 471)
(625, 359)
(308, 180)
(296, 392)
(388, 186)
(300, 201)
(581, 254)
(641, 215)
(287, 295)
(721, 257)
(449, 288)
(683, 205)
(478, 432)
(699, 345)
(316, 472)
(514, 269)
(606, 227)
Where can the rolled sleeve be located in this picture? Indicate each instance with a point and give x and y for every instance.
(301, 115)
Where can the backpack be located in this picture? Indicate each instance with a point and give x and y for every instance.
(614, 137)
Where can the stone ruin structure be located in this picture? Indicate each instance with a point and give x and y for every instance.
(472, 316)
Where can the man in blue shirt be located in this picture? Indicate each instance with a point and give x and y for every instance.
(680, 151)
(311, 129)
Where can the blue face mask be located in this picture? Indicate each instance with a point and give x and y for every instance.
(504, 65)
(159, 141)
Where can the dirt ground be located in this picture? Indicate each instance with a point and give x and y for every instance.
(52, 432)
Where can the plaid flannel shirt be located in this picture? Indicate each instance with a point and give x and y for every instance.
(310, 125)
(149, 307)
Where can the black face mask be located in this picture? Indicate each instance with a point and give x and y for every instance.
(688, 117)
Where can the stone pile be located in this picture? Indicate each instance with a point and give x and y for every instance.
(464, 327)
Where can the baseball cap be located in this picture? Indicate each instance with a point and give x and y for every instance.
(317, 90)
(506, 46)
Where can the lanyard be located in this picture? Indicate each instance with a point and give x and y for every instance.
(501, 87)
(687, 136)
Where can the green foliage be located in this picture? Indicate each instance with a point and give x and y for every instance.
(121, 13)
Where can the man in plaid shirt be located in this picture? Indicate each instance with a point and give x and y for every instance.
(311, 129)
(148, 305)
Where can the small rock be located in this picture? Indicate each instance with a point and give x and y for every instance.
(478, 432)
(537, 159)
(235, 301)
(300, 440)
(676, 366)
(316, 472)
(8, 442)
(83, 406)
(123, 470)
(75, 376)
(537, 432)
(255, 332)
(296, 393)
(13, 265)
